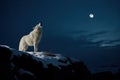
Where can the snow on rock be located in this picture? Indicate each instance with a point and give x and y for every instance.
(22, 71)
(45, 57)
(5, 46)
(50, 58)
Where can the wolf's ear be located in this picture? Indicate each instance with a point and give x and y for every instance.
(39, 24)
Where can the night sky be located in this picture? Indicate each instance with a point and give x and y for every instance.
(67, 27)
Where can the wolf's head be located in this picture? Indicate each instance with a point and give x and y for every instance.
(38, 27)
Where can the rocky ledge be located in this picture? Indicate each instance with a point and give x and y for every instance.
(17, 65)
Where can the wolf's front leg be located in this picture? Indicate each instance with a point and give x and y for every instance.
(35, 47)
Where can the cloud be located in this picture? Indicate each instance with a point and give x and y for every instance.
(99, 38)
(97, 33)
(91, 36)
(106, 43)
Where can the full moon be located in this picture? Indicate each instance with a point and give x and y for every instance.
(91, 15)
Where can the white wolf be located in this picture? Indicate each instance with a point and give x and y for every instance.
(32, 39)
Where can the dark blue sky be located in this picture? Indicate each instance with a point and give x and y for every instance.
(67, 28)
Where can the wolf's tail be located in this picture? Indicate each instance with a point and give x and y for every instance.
(22, 45)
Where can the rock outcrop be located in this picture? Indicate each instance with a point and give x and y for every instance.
(16, 65)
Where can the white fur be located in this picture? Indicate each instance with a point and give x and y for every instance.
(32, 39)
